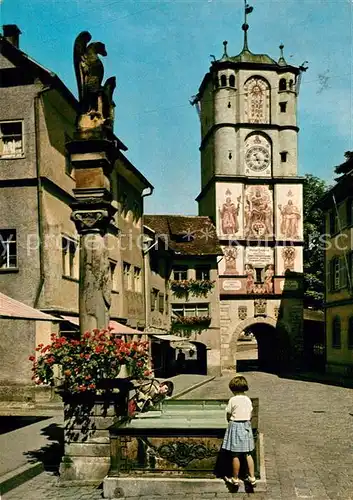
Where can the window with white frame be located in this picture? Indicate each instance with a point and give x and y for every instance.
(190, 309)
(127, 276)
(8, 249)
(11, 139)
(337, 273)
(137, 279)
(113, 275)
(70, 258)
(180, 273)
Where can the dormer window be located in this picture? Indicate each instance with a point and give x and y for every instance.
(282, 84)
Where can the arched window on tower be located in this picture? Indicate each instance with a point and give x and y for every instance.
(232, 81)
(290, 84)
(257, 100)
(224, 80)
(282, 84)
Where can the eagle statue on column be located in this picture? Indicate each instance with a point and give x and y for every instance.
(95, 100)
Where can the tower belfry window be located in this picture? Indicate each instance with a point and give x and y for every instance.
(282, 84)
(223, 80)
(232, 81)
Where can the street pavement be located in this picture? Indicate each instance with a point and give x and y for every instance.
(308, 431)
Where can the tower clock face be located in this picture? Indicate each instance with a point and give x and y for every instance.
(257, 158)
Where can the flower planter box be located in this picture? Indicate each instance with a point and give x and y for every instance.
(197, 288)
(94, 373)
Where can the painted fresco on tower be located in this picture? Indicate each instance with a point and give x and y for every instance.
(257, 156)
(229, 213)
(258, 212)
(289, 258)
(289, 211)
(259, 270)
(257, 100)
(232, 261)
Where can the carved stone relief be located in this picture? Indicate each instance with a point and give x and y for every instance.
(260, 306)
(91, 220)
(242, 312)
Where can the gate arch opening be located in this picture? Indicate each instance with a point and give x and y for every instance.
(269, 349)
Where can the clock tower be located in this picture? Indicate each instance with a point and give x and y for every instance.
(250, 187)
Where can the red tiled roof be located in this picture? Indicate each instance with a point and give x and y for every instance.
(186, 234)
(11, 308)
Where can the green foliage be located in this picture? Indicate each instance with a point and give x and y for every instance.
(313, 189)
(347, 165)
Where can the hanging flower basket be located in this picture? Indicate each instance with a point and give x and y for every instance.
(197, 288)
(185, 325)
(86, 363)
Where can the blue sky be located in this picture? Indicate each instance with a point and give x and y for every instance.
(159, 50)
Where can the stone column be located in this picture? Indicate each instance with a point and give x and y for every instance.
(92, 213)
(92, 154)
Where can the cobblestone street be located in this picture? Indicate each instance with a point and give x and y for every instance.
(308, 429)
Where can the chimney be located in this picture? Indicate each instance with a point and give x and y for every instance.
(12, 34)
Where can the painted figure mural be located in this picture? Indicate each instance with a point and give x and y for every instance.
(258, 211)
(291, 216)
(268, 281)
(230, 256)
(229, 215)
(250, 278)
(257, 100)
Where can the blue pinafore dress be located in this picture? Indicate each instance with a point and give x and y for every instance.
(238, 437)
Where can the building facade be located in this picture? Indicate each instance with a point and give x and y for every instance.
(184, 284)
(251, 189)
(338, 209)
(39, 264)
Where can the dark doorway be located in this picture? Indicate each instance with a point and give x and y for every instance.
(268, 349)
(314, 346)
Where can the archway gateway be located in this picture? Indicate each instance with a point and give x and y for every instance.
(270, 350)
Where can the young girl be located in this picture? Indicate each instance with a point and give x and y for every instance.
(239, 439)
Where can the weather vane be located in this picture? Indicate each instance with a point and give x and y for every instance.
(247, 10)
